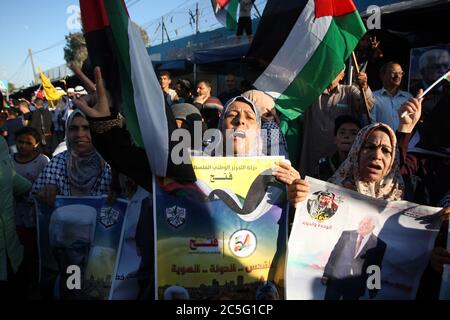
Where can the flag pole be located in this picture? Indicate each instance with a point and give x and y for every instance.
(355, 62)
(257, 10)
(405, 113)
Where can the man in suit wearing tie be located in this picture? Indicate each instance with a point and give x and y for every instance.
(345, 273)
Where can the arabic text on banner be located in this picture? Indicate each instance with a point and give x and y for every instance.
(225, 236)
(340, 239)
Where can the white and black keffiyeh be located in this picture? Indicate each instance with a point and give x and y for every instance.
(56, 173)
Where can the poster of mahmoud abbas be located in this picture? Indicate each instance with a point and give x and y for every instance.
(81, 231)
(225, 236)
(344, 245)
(427, 64)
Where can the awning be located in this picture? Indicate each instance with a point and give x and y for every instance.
(220, 54)
(388, 7)
(179, 64)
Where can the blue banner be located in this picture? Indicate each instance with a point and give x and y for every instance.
(79, 234)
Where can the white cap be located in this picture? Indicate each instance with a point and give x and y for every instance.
(80, 90)
(60, 91)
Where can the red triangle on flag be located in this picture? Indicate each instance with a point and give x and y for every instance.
(334, 8)
(222, 3)
(93, 15)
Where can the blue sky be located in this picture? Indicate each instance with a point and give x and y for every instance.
(41, 24)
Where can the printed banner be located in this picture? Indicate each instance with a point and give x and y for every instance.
(345, 245)
(445, 285)
(427, 64)
(4, 86)
(83, 232)
(135, 267)
(225, 236)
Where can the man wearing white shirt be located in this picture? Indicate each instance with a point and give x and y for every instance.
(165, 81)
(389, 98)
(345, 273)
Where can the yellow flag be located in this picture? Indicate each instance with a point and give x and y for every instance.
(51, 94)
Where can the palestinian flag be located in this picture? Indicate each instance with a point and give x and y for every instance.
(114, 43)
(226, 12)
(306, 50)
(303, 54)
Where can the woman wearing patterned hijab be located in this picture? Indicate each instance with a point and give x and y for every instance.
(372, 166)
(79, 171)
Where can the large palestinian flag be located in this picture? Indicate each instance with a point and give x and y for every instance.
(306, 50)
(226, 12)
(300, 47)
(114, 43)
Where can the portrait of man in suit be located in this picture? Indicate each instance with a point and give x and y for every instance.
(345, 273)
(432, 64)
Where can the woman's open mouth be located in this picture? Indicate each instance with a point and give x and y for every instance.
(374, 168)
(239, 134)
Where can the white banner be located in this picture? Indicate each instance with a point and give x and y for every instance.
(132, 279)
(344, 245)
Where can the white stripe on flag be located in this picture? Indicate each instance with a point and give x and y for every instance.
(222, 15)
(149, 103)
(303, 40)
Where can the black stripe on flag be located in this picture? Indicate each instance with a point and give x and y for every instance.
(276, 23)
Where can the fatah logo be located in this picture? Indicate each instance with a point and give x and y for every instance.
(176, 216)
(108, 216)
(323, 205)
(242, 243)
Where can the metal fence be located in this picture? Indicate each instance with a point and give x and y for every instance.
(59, 72)
(190, 18)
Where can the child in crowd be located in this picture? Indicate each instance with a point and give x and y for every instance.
(29, 163)
(346, 128)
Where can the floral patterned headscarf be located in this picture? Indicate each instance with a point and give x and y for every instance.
(391, 187)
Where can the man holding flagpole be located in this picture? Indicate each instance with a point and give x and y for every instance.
(335, 101)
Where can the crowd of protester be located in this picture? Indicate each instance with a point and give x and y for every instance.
(69, 148)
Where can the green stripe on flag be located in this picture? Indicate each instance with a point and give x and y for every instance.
(119, 21)
(231, 15)
(341, 38)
